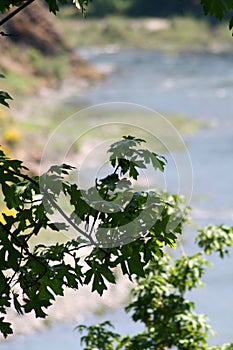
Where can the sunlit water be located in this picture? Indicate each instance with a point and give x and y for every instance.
(199, 85)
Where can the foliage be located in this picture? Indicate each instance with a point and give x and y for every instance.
(54, 5)
(134, 226)
(125, 31)
(104, 7)
(4, 95)
(164, 9)
(98, 336)
(216, 8)
(159, 302)
(216, 238)
(228, 346)
(123, 228)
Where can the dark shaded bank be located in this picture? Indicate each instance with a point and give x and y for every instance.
(38, 45)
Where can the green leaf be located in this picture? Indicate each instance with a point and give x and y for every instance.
(18, 306)
(13, 258)
(5, 327)
(88, 276)
(77, 4)
(3, 97)
(133, 172)
(98, 284)
(135, 266)
(110, 182)
(231, 24)
(53, 6)
(107, 273)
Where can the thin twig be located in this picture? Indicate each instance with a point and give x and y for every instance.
(15, 12)
(180, 244)
(16, 270)
(97, 215)
(80, 247)
(5, 34)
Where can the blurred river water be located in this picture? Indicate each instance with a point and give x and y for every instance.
(198, 85)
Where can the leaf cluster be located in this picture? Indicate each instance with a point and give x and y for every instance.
(54, 5)
(4, 96)
(159, 302)
(216, 238)
(218, 8)
(135, 227)
(98, 336)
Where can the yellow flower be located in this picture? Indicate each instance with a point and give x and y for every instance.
(12, 136)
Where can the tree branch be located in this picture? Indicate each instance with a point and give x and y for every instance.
(15, 12)
(49, 197)
(181, 247)
(5, 34)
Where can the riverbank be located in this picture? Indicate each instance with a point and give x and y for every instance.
(168, 34)
(28, 70)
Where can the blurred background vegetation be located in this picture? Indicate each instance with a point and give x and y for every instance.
(100, 8)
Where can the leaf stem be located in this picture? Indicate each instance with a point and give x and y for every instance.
(181, 247)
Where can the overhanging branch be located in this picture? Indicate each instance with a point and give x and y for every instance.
(15, 12)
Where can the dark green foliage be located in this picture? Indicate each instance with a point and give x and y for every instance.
(104, 7)
(4, 96)
(6, 4)
(135, 227)
(217, 8)
(55, 4)
(159, 302)
(98, 336)
(131, 234)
